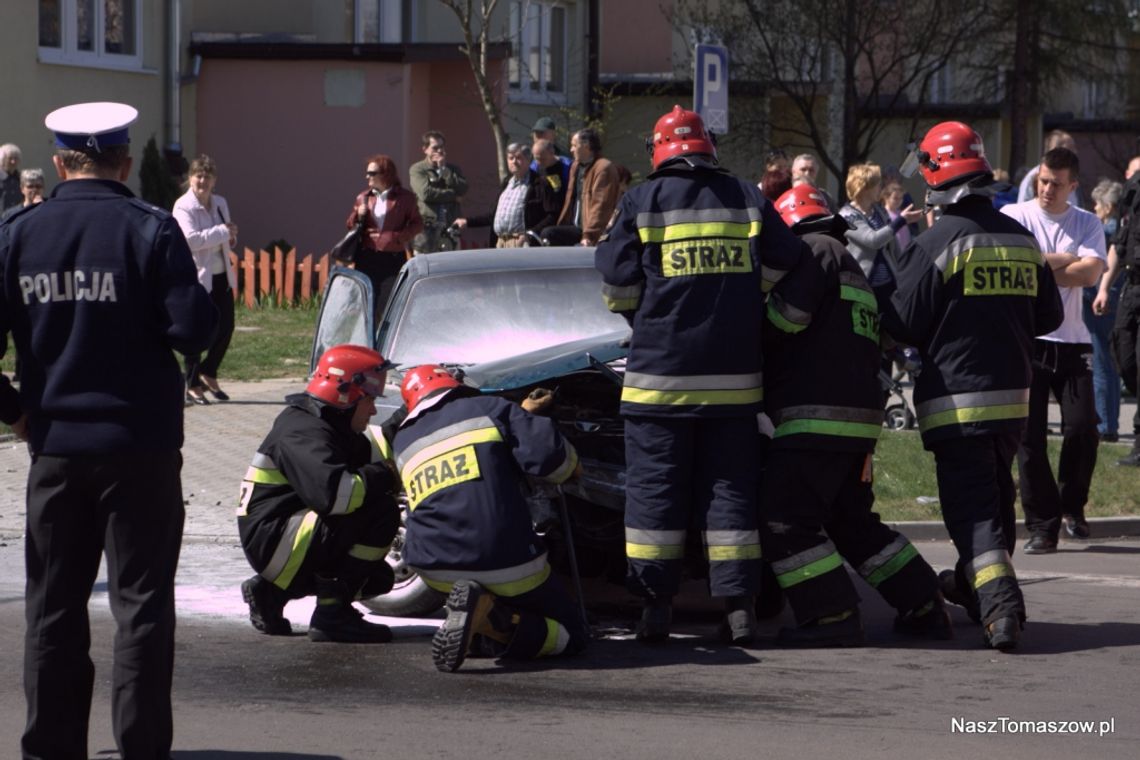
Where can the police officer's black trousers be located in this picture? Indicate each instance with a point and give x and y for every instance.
(130, 508)
(1060, 369)
(700, 473)
(1126, 343)
(975, 489)
(816, 508)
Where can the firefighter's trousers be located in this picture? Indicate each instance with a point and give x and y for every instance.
(817, 510)
(699, 473)
(975, 488)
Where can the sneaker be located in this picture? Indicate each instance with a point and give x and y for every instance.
(343, 623)
(930, 621)
(739, 624)
(468, 607)
(953, 593)
(1077, 527)
(1132, 460)
(842, 630)
(1040, 545)
(266, 605)
(1003, 634)
(653, 628)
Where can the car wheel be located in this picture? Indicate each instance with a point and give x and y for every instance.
(410, 596)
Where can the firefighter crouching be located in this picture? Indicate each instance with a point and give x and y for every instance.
(817, 498)
(462, 457)
(686, 263)
(972, 292)
(318, 510)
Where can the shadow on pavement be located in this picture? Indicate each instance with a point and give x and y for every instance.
(221, 754)
(1045, 637)
(1108, 549)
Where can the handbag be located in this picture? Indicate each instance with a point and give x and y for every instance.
(349, 245)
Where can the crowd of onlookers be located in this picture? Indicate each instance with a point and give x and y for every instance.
(21, 188)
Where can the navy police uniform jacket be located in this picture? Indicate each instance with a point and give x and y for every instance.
(821, 369)
(973, 292)
(308, 466)
(462, 462)
(98, 288)
(687, 264)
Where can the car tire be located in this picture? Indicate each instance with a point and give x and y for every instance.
(410, 596)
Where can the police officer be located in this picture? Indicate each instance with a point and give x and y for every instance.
(972, 292)
(1125, 254)
(98, 288)
(462, 457)
(816, 498)
(687, 263)
(317, 511)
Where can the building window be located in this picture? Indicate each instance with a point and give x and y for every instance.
(379, 21)
(102, 33)
(538, 44)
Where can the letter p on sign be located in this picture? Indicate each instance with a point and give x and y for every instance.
(710, 86)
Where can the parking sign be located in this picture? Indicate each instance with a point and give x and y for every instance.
(710, 86)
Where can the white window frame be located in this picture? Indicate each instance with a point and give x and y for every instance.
(68, 53)
(386, 15)
(531, 38)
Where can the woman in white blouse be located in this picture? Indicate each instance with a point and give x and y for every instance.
(205, 221)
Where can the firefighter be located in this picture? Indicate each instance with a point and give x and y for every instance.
(816, 498)
(687, 263)
(972, 292)
(318, 511)
(463, 457)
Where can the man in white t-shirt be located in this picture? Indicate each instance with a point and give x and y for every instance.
(1073, 244)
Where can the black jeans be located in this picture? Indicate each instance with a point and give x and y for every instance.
(223, 300)
(1126, 342)
(381, 268)
(128, 506)
(1062, 370)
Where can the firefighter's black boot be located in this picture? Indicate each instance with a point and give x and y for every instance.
(656, 616)
(739, 626)
(929, 621)
(953, 593)
(842, 630)
(471, 612)
(1004, 633)
(335, 619)
(266, 605)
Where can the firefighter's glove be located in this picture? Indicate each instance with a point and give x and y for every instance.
(538, 400)
(380, 478)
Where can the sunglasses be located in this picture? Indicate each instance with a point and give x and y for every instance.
(372, 174)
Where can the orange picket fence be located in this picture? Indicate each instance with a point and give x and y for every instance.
(280, 276)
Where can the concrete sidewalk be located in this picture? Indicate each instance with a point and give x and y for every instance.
(221, 438)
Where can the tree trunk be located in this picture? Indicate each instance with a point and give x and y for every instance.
(1023, 83)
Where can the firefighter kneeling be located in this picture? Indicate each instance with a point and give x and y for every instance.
(318, 510)
(817, 496)
(462, 457)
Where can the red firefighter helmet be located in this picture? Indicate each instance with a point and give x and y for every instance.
(423, 381)
(800, 203)
(347, 373)
(680, 133)
(951, 153)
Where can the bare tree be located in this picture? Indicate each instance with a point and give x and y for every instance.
(845, 67)
(476, 25)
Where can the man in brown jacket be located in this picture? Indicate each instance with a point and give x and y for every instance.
(591, 195)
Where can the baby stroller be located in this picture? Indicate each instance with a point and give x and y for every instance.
(898, 415)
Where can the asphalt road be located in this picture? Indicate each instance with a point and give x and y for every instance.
(243, 696)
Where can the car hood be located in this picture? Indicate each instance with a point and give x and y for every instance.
(545, 363)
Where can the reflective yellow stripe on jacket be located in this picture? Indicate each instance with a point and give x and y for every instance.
(445, 458)
(979, 406)
(692, 390)
(507, 581)
(819, 419)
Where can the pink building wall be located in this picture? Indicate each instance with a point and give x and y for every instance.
(290, 165)
(649, 49)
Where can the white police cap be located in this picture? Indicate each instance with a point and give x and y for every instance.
(91, 126)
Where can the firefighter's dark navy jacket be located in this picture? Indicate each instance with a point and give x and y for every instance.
(687, 263)
(462, 462)
(821, 379)
(309, 464)
(973, 291)
(98, 288)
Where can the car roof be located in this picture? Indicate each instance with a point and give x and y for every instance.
(495, 259)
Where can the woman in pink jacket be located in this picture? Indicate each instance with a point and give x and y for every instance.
(209, 229)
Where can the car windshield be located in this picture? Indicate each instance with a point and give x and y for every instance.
(479, 317)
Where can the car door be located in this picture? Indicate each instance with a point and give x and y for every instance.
(346, 313)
